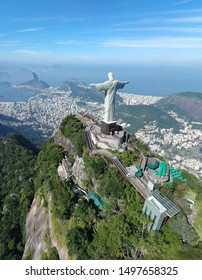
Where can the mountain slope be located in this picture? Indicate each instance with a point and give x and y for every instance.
(138, 115)
(9, 124)
(5, 84)
(79, 89)
(17, 159)
(35, 83)
(188, 104)
(63, 223)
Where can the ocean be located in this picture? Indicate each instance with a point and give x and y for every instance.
(154, 80)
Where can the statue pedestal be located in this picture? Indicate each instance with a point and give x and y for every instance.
(104, 141)
(108, 128)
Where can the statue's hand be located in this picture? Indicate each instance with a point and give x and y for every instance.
(92, 85)
(126, 82)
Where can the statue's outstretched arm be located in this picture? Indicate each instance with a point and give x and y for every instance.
(102, 86)
(121, 85)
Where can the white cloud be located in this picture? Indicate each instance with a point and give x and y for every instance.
(160, 28)
(162, 20)
(49, 19)
(70, 42)
(9, 43)
(29, 30)
(181, 2)
(194, 19)
(162, 42)
(29, 52)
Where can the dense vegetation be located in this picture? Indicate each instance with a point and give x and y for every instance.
(190, 94)
(117, 231)
(72, 128)
(17, 159)
(120, 230)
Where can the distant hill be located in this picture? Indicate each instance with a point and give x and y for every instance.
(188, 104)
(7, 128)
(4, 76)
(8, 125)
(35, 82)
(5, 84)
(138, 115)
(80, 89)
(4, 130)
(8, 118)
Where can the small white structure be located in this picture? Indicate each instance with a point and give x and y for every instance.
(64, 169)
(150, 186)
(132, 170)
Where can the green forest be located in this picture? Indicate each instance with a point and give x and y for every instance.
(118, 231)
(17, 160)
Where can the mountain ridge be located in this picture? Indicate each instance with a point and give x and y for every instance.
(35, 82)
(187, 103)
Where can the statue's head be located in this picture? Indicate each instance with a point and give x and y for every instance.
(111, 76)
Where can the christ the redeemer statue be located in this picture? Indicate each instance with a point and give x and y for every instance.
(110, 88)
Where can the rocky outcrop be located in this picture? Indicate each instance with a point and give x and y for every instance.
(62, 252)
(35, 77)
(35, 83)
(38, 224)
(65, 143)
(78, 170)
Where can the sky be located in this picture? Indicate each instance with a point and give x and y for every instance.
(103, 32)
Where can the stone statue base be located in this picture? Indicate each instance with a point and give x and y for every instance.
(108, 128)
(104, 141)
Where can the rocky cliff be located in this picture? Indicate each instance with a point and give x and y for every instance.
(35, 82)
(38, 231)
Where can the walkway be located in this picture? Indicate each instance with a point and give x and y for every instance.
(139, 186)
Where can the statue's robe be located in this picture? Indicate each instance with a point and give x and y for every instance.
(110, 88)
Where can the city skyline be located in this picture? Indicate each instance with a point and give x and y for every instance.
(97, 32)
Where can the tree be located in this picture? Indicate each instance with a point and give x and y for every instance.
(180, 225)
(72, 128)
(77, 242)
(95, 165)
(62, 198)
(53, 254)
(17, 159)
(110, 238)
(112, 184)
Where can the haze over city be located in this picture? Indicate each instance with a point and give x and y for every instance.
(156, 45)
